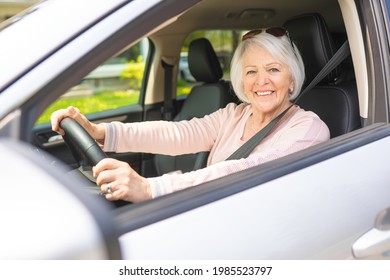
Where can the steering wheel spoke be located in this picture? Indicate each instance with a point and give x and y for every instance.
(81, 144)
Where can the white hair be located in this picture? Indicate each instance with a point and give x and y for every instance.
(279, 47)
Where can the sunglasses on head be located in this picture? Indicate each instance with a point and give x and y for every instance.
(275, 31)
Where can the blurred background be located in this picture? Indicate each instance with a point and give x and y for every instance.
(11, 7)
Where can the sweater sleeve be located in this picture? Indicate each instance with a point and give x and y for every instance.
(166, 137)
(299, 134)
(162, 137)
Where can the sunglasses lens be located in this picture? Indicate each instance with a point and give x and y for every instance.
(251, 33)
(276, 31)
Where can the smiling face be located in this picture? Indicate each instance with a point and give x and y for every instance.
(267, 81)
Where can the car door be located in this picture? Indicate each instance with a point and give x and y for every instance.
(310, 205)
(330, 201)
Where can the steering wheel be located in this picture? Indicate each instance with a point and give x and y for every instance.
(84, 147)
(81, 144)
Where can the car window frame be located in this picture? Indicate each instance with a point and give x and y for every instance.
(117, 37)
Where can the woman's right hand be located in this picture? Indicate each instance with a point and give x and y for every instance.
(97, 131)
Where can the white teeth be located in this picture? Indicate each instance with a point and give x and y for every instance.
(263, 93)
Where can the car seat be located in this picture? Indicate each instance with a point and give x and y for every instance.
(335, 98)
(209, 94)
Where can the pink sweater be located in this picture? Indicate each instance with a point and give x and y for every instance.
(220, 133)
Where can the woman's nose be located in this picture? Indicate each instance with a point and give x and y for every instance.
(262, 79)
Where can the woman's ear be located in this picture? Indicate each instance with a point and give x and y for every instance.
(291, 87)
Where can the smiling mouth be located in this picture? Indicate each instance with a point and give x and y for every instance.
(264, 93)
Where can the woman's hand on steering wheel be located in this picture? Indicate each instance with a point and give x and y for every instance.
(96, 131)
(118, 181)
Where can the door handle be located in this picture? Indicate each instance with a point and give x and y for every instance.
(375, 244)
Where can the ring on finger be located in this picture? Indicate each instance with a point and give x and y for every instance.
(109, 189)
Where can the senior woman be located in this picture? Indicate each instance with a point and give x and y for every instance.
(267, 74)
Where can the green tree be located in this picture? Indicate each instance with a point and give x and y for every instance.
(134, 72)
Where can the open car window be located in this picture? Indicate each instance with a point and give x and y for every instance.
(114, 84)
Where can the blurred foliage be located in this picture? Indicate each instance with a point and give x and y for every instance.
(134, 72)
(92, 103)
(224, 43)
(222, 40)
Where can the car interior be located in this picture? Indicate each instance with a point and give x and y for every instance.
(334, 99)
(318, 30)
(211, 94)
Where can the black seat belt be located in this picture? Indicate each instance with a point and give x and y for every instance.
(167, 110)
(249, 145)
(342, 53)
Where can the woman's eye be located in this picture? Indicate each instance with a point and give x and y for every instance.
(250, 72)
(274, 69)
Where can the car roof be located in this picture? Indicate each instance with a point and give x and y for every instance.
(245, 14)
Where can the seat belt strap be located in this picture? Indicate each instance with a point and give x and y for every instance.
(249, 145)
(342, 53)
(201, 160)
(167, 110)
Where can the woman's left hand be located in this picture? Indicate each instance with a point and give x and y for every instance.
(118, 181)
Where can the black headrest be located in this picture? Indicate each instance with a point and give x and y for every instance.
(310, 33)
(203, 61)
